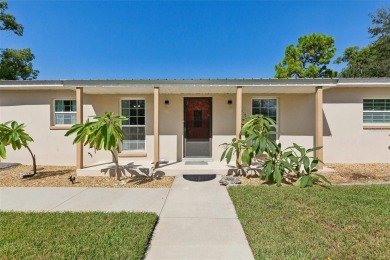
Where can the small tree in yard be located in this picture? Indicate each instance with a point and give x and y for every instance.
(105, 133)
(12, 133)
(257, 130)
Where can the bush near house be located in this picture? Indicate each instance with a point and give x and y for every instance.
(258, 131)
(340, 223)
(75, 235)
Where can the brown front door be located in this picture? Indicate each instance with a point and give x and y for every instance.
(197, 127)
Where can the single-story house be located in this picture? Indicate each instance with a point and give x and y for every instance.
(175, 120)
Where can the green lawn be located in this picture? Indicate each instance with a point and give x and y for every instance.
(315, 223)
(93, 235)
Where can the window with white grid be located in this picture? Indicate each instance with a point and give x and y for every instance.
(267, 107)
(65, 112)
(376, 111)
(134, 125)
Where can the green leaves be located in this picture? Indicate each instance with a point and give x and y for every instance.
(278, 176)
(104, 133)
(308, 59)
(12, 133)
(234, 147)
(308, 180)
(372, 60)
(292, 160)
(3, 153)
(279, 162)
(229, 155)
(8, 21)
(14, 64)
(256, 129)
(246, 157)
(17, 65)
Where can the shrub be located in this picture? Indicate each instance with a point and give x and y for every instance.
(257, 131)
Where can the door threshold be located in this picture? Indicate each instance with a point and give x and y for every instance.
(205, 159)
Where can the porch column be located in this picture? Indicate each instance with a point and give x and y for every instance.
(156, 132)
(238, 111)
(318, 139)
(79, 120)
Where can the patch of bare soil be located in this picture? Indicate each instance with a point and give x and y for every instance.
(356, 172)
(344, 173)
(251, 180)
(57, 176)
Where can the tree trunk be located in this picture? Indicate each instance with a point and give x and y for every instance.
(34, 161)
(117, 172)
(238, 160)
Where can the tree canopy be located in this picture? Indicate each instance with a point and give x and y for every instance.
(14, 64)
(308, 59)
(374, 59)
(8, 21)
(17, 64)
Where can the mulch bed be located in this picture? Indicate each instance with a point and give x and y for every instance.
(57, 176)
(367, 172)
(344, 173)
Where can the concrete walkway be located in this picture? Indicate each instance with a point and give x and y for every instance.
(198, 221)
(82, 199)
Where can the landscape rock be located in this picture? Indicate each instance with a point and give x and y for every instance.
(230, 180)
(5, 166)
(25, 175)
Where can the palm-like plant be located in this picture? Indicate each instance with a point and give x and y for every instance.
(12, 133)
(105, 133)
(257, 130)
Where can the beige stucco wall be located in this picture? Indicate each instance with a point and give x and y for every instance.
(172, 123)
(52, 147)
(348, 142)
(33, 109)
(345, 140)
(99, 104)
(295, 116)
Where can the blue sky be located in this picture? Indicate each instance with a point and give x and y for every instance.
(182, 39)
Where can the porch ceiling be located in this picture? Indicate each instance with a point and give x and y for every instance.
(200, 89)
(212, 86)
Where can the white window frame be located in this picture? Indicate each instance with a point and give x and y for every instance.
(277, 112)
(120, 109)
(64, 112)
(374, 111)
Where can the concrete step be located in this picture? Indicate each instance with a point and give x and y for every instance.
(146, 168)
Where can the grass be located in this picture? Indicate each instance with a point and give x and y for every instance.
(82, 235)
(315, 223)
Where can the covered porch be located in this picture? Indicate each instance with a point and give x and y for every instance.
(230, 99)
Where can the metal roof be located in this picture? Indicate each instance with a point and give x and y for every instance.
(171, 86)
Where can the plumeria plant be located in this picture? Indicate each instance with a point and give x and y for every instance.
(258, 131)
(103, 133)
